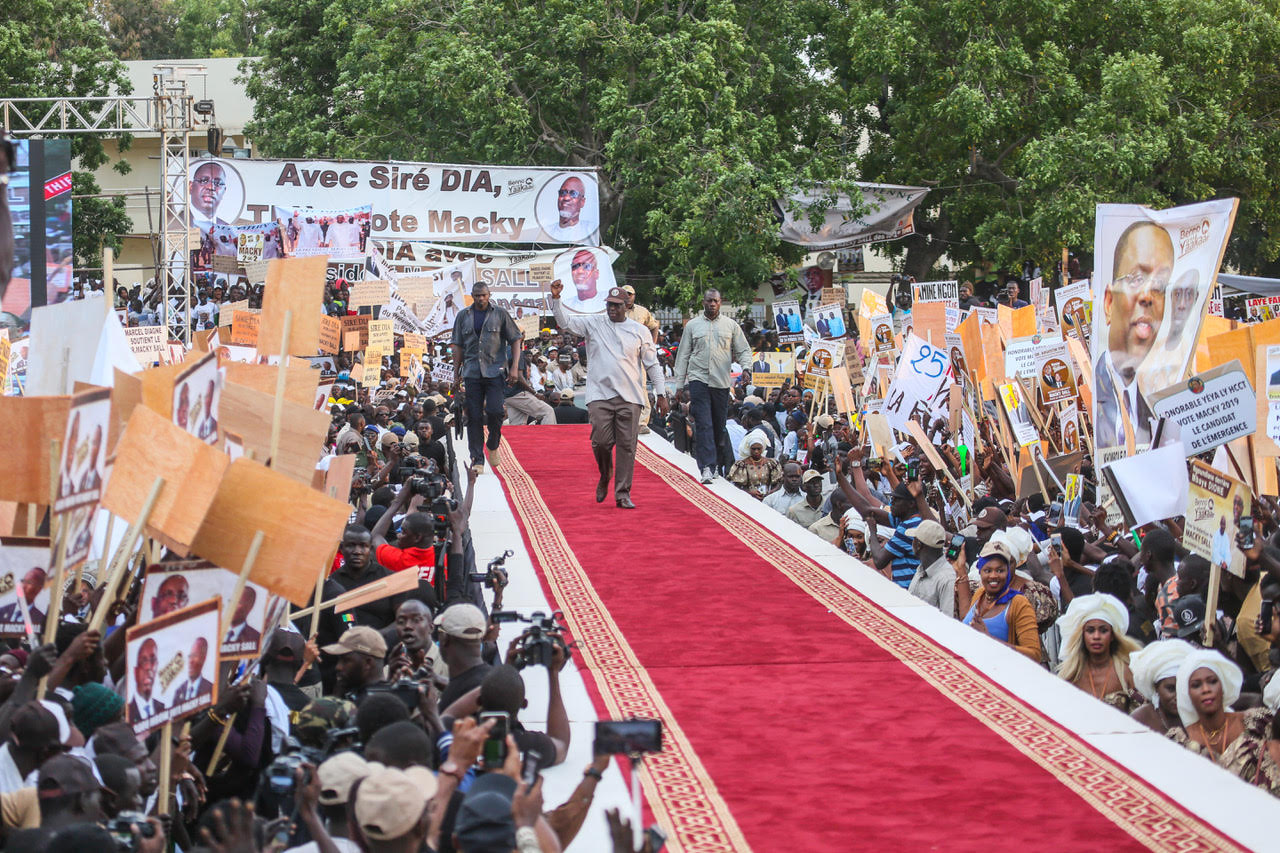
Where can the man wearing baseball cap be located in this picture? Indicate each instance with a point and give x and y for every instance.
(360, 652)
(935, 579)
(337, 776)
(621, 352)
(391, 808)
(462, 628)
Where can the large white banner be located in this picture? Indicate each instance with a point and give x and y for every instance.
(921, 386)
(1153, 275)
(518, 281)
(409, 201)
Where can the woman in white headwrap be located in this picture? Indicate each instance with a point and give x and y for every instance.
(1155, 675)
(853, 533)
(1095, 650)
(1207, 686)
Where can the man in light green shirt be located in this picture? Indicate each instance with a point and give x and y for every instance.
(708, 348)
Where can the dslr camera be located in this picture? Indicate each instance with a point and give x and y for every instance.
(537, 644)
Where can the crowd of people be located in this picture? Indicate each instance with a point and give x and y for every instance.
(375, 734)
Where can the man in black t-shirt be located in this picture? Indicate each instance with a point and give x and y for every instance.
(461, 636)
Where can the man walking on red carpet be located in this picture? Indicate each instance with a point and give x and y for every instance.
(708, 348)
(619, 354)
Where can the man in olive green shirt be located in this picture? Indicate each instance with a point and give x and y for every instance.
(708, 348)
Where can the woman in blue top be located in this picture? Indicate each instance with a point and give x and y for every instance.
(1000, 610)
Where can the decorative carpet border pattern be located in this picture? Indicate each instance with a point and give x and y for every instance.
(1128, 801)
(677, 787)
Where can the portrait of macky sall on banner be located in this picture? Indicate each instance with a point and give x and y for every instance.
(1154, 272)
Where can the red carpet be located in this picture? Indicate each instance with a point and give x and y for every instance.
(800, 716)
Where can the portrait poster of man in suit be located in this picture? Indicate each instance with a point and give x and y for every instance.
(169, 673)
(171, 585)
(1153, 274)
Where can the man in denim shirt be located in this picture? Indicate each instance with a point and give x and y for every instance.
(486, 344)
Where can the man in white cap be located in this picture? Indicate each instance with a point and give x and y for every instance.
(935, 578)
(462, 628)
(620, 352)
(327, 814)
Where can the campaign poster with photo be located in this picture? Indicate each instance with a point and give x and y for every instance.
(1054, 376)
(169, 672)
(828, 322)
(24, 572)
(339, 233)
(1215, 505)
(1069, 424)
(171, 586)
(81, 472)
(772, 369)
(196, 392)
(587, 276)
(452, 285)
(1153, 276)
(787, 321)
(882, 335)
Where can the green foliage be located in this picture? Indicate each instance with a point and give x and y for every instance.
(1027, 114)
(177, 29)
(699, 114)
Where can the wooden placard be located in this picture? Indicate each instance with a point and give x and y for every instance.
(300, 527)
(371, 369)
(150, 447)
(330, 335)
(294, 285)
(929, 322)
(227, 311)
(415, 288)
(371, 292)
(382, 335)
(225, 264)
(300, 380)
(337, 480)
(63, 346)
(247, 413)
(528, 326)
(157, 387)
(970, 332)
(28, 424)
(244, 328)
(359, 325)
(395, 584)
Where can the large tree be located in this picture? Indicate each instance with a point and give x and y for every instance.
(698, 114)
(1025, 115)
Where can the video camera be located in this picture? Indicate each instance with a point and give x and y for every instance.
(537, 644)
(431, 485)
(498, 562)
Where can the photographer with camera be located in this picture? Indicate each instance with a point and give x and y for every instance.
(422, 534)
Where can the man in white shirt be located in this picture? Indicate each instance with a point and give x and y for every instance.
(33, 737)
(620, 352)
(789, 495)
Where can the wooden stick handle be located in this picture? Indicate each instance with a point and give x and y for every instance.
(277, 413)
(166, 767)
(121, 557)
(249, 559)
(338, 600)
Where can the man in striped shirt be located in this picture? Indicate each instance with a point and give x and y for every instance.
(896, 558)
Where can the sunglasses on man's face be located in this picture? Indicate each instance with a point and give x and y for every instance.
(573, 194)
(582, 265)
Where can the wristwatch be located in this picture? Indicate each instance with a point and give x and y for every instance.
(451, 768)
